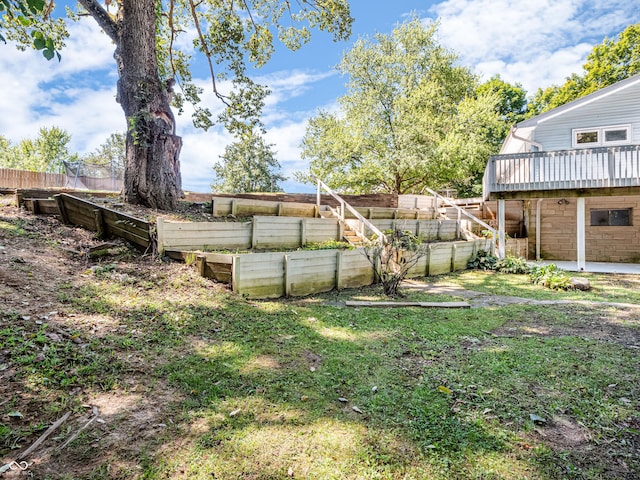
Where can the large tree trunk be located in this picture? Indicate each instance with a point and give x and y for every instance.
(152, 171)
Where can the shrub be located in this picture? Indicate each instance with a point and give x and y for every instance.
(394, 257)
(550, 276)
(483, 260)
(512, 265)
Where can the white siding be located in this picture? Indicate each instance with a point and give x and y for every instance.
(616, 109)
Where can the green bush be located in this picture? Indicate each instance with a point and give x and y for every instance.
(483, 260)
(550, 276)
(512, 265)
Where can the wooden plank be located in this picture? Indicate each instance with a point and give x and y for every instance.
(61, 209)
(99, 223)
(338, 270)
(47, 206)
(383, 304)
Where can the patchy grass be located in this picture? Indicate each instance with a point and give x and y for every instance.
(605, 287)
(194, 382)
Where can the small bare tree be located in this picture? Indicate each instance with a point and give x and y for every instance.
(393, 257)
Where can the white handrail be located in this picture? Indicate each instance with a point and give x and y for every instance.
(344, 205)
(494, 233)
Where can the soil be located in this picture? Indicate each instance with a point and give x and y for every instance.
(48, 255)
(35, 265)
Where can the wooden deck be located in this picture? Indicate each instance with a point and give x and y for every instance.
(565, 173)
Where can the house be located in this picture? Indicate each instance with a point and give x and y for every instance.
(576, 169)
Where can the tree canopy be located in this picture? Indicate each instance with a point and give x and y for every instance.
(44, 153)
(147, 35)
(111, 153)
(248, 165)
(412, 118)
(607, 63)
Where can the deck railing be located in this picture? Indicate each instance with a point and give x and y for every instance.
(564, 169)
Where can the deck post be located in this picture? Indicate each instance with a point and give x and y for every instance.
(501, 224)
(538, 223)
(580, 233)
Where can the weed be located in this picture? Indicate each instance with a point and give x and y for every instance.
(328, 245)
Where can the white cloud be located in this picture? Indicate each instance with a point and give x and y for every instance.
(534, 42)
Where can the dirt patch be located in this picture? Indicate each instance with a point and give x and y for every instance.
(574, 444)
(562, 433)
(607, 325)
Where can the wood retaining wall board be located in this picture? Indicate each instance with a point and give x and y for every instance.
(384, 200)
(23, 193)
(429, 230)
(273, 275)
(45, 206)
(281, 232)
(260, 232)
(104, 221)
(240, 207)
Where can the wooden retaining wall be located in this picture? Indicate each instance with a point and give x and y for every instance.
(104, 221)
(430, 230)
(260, 233)
(273, 275)
(241, 207)
(282, 232)
(383, 200)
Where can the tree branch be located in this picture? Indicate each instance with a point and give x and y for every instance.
(101, 16)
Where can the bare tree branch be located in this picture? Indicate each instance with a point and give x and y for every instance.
(102, 17)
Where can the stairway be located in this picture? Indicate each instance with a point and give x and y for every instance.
(351, 236)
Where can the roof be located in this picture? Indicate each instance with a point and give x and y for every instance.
(580, 102)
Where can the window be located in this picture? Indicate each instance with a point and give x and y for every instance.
(601, 136)
(611, 218)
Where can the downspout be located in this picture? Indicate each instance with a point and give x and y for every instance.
(525, 140)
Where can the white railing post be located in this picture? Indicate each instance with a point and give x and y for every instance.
(501, 224)
(344, 206)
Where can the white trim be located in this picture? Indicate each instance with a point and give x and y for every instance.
(586, 100)
(601, 131)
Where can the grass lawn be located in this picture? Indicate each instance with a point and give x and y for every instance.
(193, 382)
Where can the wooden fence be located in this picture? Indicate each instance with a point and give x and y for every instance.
(11, 178)
(282, 232)
(277, 274)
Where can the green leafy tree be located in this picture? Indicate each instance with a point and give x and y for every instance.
(512, 104)
(45, 153)
(146, 36)
(248, 165)
(28, 23)
(412, 118)
(5, 152)
(609, 62)
(112, 153)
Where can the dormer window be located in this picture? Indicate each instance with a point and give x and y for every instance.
(601, 136)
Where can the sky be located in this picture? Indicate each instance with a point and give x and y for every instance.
(536, 43)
